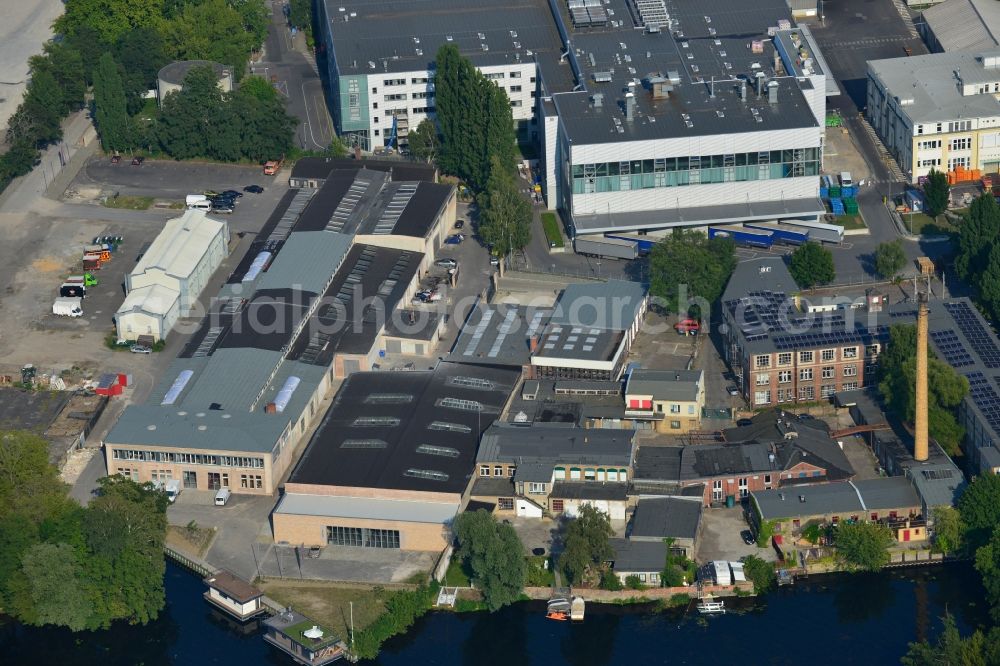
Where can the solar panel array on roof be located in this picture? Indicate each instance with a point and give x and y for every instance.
(974, 331)
(985, 398)
(949, 346)
(864, 336)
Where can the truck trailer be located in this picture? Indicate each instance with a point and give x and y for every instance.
(820, 231)
(782, 233)
(599, 246)
(68, 307)
(72, 290)
(644, 244)
(743, 236)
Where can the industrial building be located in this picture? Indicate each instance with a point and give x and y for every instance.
(938, 111)
(312, 172)
(308, 303)
(168, 279)
(649, 115)
(668, 401)
(393, 459)
(960, 25)
(775, 450)
(529, 469)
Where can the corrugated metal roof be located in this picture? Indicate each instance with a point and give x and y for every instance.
(366, 508)
(232, 378)
(610, 305)
(837, 498)
(179, 247)
(307, 260)
(154, 299)
(965, 25)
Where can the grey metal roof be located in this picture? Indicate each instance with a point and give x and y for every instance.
(850, 497)
(366, 508)
(175, 72)
(638, 556)
(966, 25)
(938, 484)
(307, 260)
(666, 517)
(499, 334)
(153, 425)
(533, 472)
(665, 384)
(320, 168)
(565, 341)
(612, 305)
(554, 444)
(404, 35)
(698, 216)
(493, 486)
(928, 84)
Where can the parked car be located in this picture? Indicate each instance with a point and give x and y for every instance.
(494, 261)
(255, 189)
(140, 349)
(454, 239)
(459, 224)
(748, 537)
(115, 159)
(223, 210)
(743, 422)
(446, 263)
(732, 390)
(806, 417)
(137, 161)
(235, 194)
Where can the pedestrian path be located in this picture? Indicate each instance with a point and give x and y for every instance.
(904, 13)
(886, 157)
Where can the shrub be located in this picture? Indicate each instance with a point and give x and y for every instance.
(609, 581)
(633, 583)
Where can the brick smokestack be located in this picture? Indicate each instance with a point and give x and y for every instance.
(920, 440)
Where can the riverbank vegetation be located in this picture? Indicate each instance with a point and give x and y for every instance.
(493, 554)
(586, 546)
(72, 566)
(863, 546)
(329, 604)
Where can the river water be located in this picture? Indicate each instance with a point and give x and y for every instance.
(840, 619)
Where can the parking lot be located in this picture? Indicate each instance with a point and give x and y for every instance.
(720, 537)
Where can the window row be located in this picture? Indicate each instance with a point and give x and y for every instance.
(590, 474)
(667, 164)
(362, 537)
(187, 458)
(703, 176)
(809, 357)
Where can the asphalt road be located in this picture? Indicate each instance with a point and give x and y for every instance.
(288, 63)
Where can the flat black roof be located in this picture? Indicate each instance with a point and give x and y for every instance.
(413, 324)
(357, 304)
(320, 168)
(413, 430)
(268, 320)
(369, 202)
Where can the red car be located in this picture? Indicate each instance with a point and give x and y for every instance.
(137, 161)
(687, 327)
(115, 159)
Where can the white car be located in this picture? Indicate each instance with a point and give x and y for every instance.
(446, 263)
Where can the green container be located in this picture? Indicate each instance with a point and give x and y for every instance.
(730, 501)
(834, 192)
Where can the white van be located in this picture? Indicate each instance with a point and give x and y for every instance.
(222, 496)
(845, 179)
(193, 199)
(201, 205)
(172, 488)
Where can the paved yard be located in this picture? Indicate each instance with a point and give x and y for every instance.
(720, 537)
(536, 532)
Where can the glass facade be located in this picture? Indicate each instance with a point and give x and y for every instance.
(362, 537)
(694, 170)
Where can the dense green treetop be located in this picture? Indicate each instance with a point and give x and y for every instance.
(812, 265)
(495, 556)
(689, 258)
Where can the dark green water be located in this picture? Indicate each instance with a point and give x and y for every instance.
(828, 620)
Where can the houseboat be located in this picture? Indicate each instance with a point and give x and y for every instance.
(302, 639)
(234, 595)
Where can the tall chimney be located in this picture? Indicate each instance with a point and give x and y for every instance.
(920, 435)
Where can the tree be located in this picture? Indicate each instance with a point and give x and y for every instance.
(951, 649)
(66, 66)
(609, 581)
(989, 284)
(109, 105)
(504, 214)
(889, 258)
(211, 30)
(936, 193)
(300, 14)
(29, 485)
(259, 88)
(760, 573)
(988, 566)
(586, 543)
(109, 18)
(424, 142)
(495, 556)
(688, 259)
(949, 530)
(811, 265)
(475, 120)
(979, 507)
(863, 545)
(980, 227)
(141, 55)
(186, 115)
(337, 148)
(947, 388)
(43, 107)
(58, 596)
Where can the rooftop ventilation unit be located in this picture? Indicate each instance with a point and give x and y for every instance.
(651, 13)
(598, 99)
(602, 77)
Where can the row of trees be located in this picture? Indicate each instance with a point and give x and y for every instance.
(978, 259)
(72, 566)
(897, 385)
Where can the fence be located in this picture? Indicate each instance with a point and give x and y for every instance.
(651, 593)
(198, 567)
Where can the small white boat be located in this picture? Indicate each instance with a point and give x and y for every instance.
(559, 604)
(578, 608)
(708, 606)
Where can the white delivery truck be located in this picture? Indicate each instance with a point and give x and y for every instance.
(68, 307)
(172, 488)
